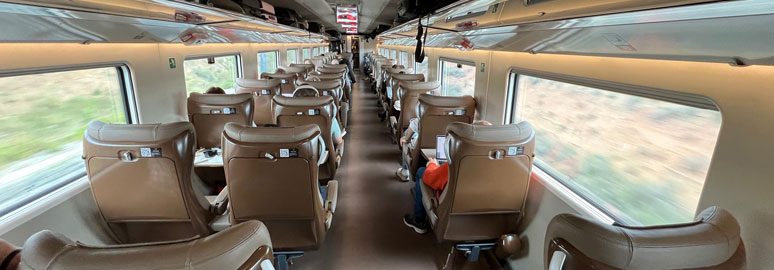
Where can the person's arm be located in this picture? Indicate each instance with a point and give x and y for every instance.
(336, 132)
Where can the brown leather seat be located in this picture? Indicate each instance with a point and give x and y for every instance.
(489, 170)
(262, 91)
(141, 179)
(241, 247)
(272, 177)
(408, 93)
(331, 88)
(291, 112)
(288, 84)
(712, 241)
(394, 86)
(435, 113)
(209, 112)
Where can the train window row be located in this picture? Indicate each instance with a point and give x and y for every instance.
(457, 78)
(41, 144)
(643, 161)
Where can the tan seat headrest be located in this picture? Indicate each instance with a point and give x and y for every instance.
(424, 86)
(327, 76)
(709, 241)
(306, 66)
(283, 76)
(252, 84)
(294, 69)
(303, 101)
(136, 133)
(321, 85)
(327, 70)
(502, 134)
(408, 77)
(246, 134)
(219, 99)
(447, 102)
(225, 250)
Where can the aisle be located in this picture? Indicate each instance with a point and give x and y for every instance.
(368, 230)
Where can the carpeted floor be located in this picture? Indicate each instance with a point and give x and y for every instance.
(368, 230)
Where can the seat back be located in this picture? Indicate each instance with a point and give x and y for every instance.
(288, 81)
(332, 70)
(262, 91)
(397, 78)
(489, 171)
(307, 67)
(140, 176)
(299, 71)
(326, 88)
(712, 241)
(337, 66)
(241, 247)
(210, 112)
(291, 112)
(409, 94)
(435, 114)
(272, 177)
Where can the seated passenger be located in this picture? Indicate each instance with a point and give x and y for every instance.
(410, 137)
(10, 256)
(435, 176)
(215, 90)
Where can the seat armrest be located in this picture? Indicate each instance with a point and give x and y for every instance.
(261, 259)
(393, 122)
(219, 204)
(332, 196)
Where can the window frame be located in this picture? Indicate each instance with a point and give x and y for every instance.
(287, 52)
(441, 68)
(128, 98)
(302, 54)
(552, 176)
(276, 60)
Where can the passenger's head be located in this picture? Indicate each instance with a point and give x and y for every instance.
(5, 250)
(305, 92)
(215, 90)
(482, 123)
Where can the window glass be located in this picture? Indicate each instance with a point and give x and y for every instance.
(404, 59)
(392, 55)
(305, 53)
(421, 68)
(457, 79)
(292, 56)
(200, 74)
(42, 120)
(267, 62)
(641, 160)
(315, 51)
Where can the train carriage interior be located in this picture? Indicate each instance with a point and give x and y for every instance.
(386, 134)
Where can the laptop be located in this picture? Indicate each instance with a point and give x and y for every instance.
(440, 148)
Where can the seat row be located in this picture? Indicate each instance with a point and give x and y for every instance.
(482, 205)
(279, 197)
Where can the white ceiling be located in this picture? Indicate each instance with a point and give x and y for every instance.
(371, 12)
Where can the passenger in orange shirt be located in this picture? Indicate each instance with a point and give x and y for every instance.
(435, 176)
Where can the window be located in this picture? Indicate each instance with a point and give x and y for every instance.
(404, 59)
(42, 118)
(267, 62)
(203, 73)
(315, 51)
(305, 53)
(292, 56)
(392, 55)
(641, 160)
(421, 68)
(457, 79)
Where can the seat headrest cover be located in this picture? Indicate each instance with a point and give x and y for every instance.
(259, 84)
(447, 102)
(709, 241)
(307, 66)
(136, 133)
(219, 99)
(278, 75)
(321, 85)
(294, 69)
(427, 86)
(246, 134)
(328, 76)
(492, 134)
(303, 101)
(408, 77)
